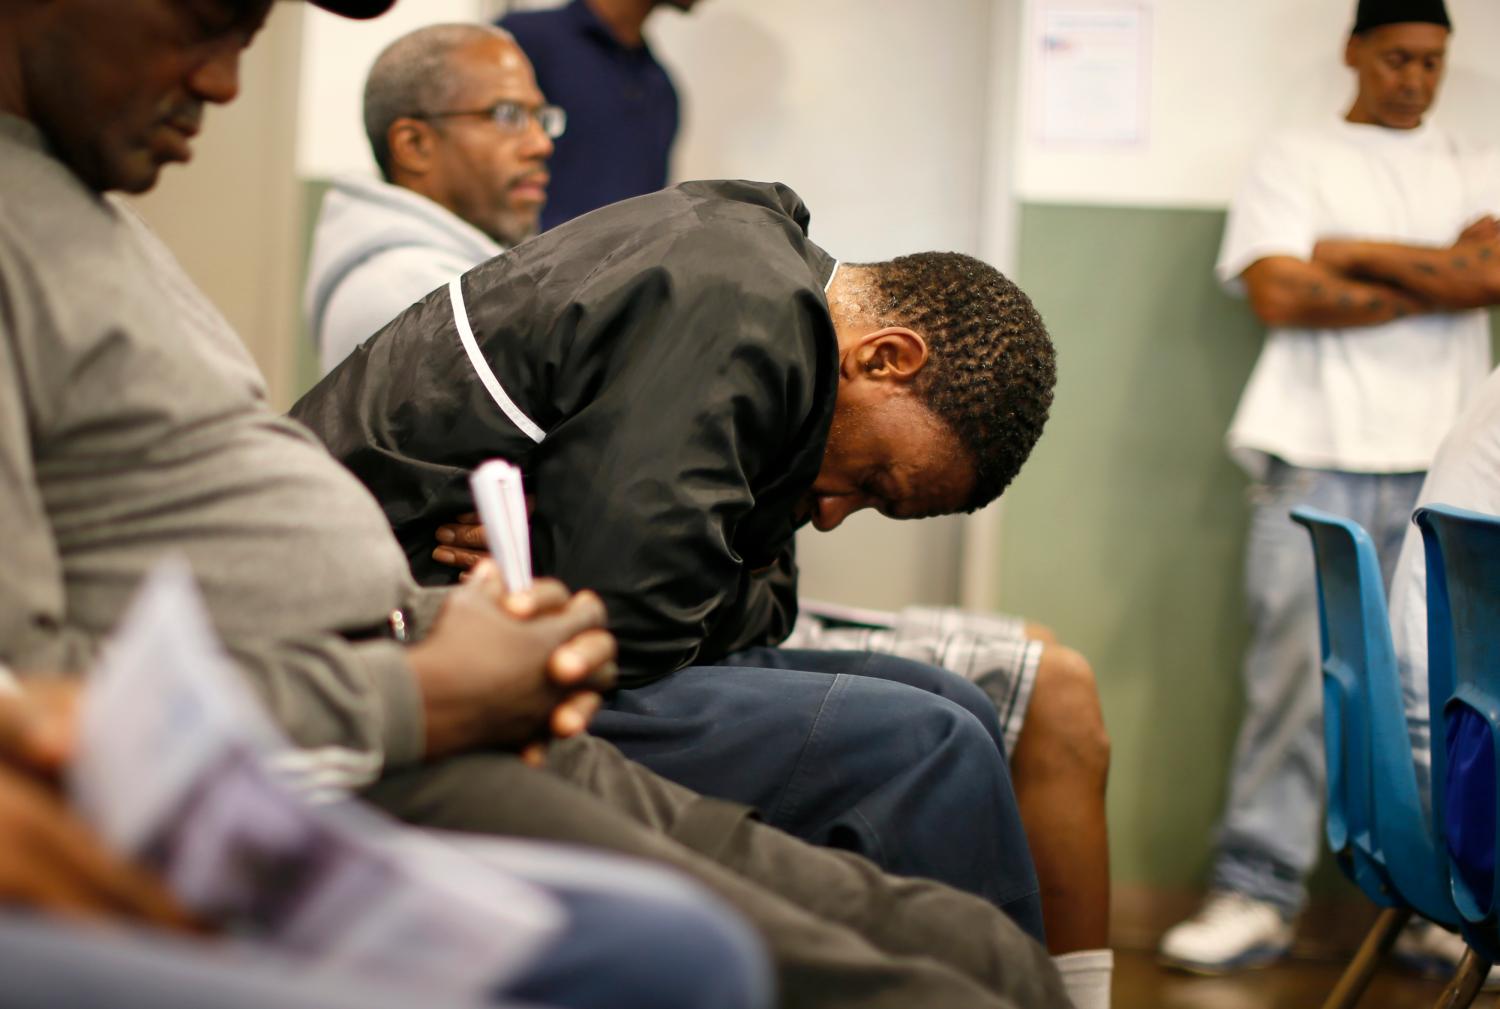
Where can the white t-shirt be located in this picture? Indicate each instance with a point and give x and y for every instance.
(1372, 399)
(1466, 474)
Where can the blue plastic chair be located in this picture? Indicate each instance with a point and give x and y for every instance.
(1375, 823)
(1463, 664)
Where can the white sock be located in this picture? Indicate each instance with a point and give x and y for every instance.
(1086, 976)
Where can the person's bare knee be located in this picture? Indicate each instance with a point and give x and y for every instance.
(1040, 632)
(1064, 732)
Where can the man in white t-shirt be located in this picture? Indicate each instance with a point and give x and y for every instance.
(1369, 249)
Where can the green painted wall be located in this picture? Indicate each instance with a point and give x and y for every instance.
(308, 371)
(1125, 532)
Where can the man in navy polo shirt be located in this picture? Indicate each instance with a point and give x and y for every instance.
(591, 59)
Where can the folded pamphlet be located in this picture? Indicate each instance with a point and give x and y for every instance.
(180, 769)
(501, 502)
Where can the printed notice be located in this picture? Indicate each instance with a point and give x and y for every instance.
(1091, 74)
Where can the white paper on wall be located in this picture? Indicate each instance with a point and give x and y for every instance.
(1091, 71)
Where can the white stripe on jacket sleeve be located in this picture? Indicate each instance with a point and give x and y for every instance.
(482, 367)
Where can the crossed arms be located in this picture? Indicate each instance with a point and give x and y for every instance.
(1356, 283)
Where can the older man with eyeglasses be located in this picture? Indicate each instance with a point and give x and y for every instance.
(461, 135)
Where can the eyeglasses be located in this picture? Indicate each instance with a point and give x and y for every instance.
(513, 117)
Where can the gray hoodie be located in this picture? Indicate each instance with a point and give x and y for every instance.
(377, 249)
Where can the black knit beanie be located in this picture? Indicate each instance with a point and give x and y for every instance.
(1375, 13)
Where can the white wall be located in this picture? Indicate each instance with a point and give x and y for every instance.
(1223, 75)
(336, 57)
(232, 215)
(873, 110)
(881, 114)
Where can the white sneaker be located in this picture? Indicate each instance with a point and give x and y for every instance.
(1230, 932)
(1433, 951)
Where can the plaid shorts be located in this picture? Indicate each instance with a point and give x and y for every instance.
(992, 650)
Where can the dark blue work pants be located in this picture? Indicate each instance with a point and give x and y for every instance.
(895, 760)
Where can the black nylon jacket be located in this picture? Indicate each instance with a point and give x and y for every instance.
(676, 353)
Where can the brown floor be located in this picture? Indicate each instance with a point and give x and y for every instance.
(1329, 932)
(1292, 984)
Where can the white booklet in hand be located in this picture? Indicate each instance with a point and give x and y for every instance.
(501, 502)
(180, 769)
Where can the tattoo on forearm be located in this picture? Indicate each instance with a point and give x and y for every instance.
(1374, 305)
(1346, 300)
(1486, 252)
(1426, 268)
(1460, 262)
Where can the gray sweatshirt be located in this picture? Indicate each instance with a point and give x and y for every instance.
(378, 248)
(133, 425)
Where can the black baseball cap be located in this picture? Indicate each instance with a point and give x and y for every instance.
(356, 8)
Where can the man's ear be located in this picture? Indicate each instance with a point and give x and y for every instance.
(1351, 52)
(893, 353)
(412, 145)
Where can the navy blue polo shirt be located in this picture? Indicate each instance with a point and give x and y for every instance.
(621, 105)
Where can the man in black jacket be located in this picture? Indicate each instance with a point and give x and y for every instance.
(667, 375)
(685, 378)
(1051, 723)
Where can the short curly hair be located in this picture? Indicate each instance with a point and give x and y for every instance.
(992, 366)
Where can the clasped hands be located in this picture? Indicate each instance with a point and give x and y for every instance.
(512, 670)
(499, 670)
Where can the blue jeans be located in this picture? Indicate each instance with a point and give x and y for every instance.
(1269, 838)
(895, 760)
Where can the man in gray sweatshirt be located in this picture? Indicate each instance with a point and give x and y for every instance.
(461, 136)
(133, 425)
